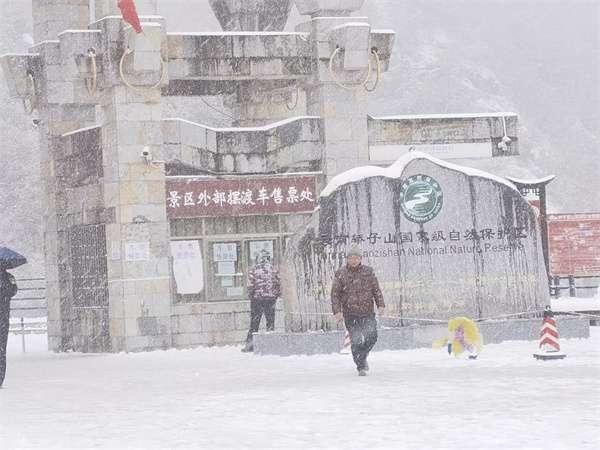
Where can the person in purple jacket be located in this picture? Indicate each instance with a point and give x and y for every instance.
(263, 289)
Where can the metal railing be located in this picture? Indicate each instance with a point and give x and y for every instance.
(28, 309)
(572, 284)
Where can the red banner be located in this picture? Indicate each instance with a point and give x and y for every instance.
(210, 197)
(574, 244)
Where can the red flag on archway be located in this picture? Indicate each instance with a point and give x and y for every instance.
(130, 14)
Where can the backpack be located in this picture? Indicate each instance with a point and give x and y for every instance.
(8, 287)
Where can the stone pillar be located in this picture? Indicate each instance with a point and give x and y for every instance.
(251, 15)
(54, 121)
(56, 114)
(51, 17)
(328, 8)
(341, 46)
(344, 115)
(259, 102)
(134, 187)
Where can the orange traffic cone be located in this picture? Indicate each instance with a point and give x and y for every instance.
(549, 346)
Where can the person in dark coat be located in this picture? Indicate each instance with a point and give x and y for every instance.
(8, 289)
(354, 293)
(263, 289)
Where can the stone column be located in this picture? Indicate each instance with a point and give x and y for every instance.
(251, 15)
(337, 94)
(55, 120)
(56, 113)
(344, 115)
(260, 101)
(134, 188)
(328, 8)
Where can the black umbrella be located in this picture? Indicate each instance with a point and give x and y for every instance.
(9, 259)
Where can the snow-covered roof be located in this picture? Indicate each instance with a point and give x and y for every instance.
(245, 175)
(351, 24)
(235, 33)
(446, 116)
(244, 129)
(20, 55)
(78, 32)
(79, 130)
(395, 171)
(543, 180)
(46, 41)
(340, 18)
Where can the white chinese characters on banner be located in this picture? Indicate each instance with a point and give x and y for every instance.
(263, 196)
(187, 267)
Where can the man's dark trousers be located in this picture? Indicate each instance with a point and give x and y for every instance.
(363, 336)
(258, 307)
(4, 322)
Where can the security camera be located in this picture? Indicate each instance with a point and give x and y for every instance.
(36, 122)
(146, 154)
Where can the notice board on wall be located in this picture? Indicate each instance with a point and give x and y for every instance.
(574, 244)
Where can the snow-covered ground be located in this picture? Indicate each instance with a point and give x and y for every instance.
(573, 304)
(221, 398)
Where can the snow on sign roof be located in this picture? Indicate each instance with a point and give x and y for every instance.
(446, 116)
(396, 169)
(543, 180)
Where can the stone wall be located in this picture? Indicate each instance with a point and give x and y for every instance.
(428, 131)
(286, 146)
(219, 323)
(406, 338)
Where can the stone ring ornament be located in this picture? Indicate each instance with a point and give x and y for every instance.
(92, 83)
(297, 97)
(29, 102)
(421, 198)
(378, 72)
(369, 70)
(163, 72)
(335, 78)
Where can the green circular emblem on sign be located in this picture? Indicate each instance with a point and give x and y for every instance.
(421, 198)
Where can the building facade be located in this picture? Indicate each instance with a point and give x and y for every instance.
(151, 222)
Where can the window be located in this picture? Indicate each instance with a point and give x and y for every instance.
(256, 249)
(226, 274)
(215, 271)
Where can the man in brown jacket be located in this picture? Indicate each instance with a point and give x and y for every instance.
(354, 292)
